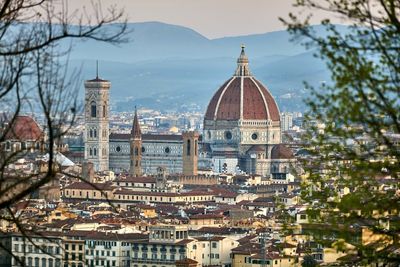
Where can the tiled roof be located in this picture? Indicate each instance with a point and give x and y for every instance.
(281, 152)
(206, 216)
(244, 93)
(210, 238)
(139, 179)
(91, 186)
(24, 128)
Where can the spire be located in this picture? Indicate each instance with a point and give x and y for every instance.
(136, 132)
(97, 69)
(242, 64)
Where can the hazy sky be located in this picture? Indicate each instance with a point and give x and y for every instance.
(212, 18)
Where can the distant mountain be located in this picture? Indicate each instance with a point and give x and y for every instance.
(173, 67)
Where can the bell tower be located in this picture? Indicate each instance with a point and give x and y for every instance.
(136, 148)
(190, 152)
(96, 136)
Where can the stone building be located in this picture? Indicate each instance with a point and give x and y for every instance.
(242, 125)
(97, 123)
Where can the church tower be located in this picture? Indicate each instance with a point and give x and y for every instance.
(190, 152)
(136, 148)
(97, 123)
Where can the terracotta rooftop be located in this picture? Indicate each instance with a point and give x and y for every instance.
(242, 97)
(91, 186)
(24, 128)
(139, 179)
(281, 152)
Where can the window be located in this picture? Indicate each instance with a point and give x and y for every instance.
(214, 244)
(104, 111)
(228, 135)
(93, 110)
(188, 148)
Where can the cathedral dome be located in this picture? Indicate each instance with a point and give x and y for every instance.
(242, 97)
(281, 152)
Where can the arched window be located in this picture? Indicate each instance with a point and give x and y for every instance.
(93, 109)
(51, 262)
(95, 133)
(104, 111)
(94, 151)
(188, 148)
(90, 133)
(44, 262)
(90, 152)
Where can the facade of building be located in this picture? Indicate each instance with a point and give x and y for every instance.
(287, 121)
(37, 250)
(158, 150)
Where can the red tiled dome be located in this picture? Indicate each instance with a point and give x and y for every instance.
(258, 103)
(281, 152)
(242, 97)
(24, 128)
